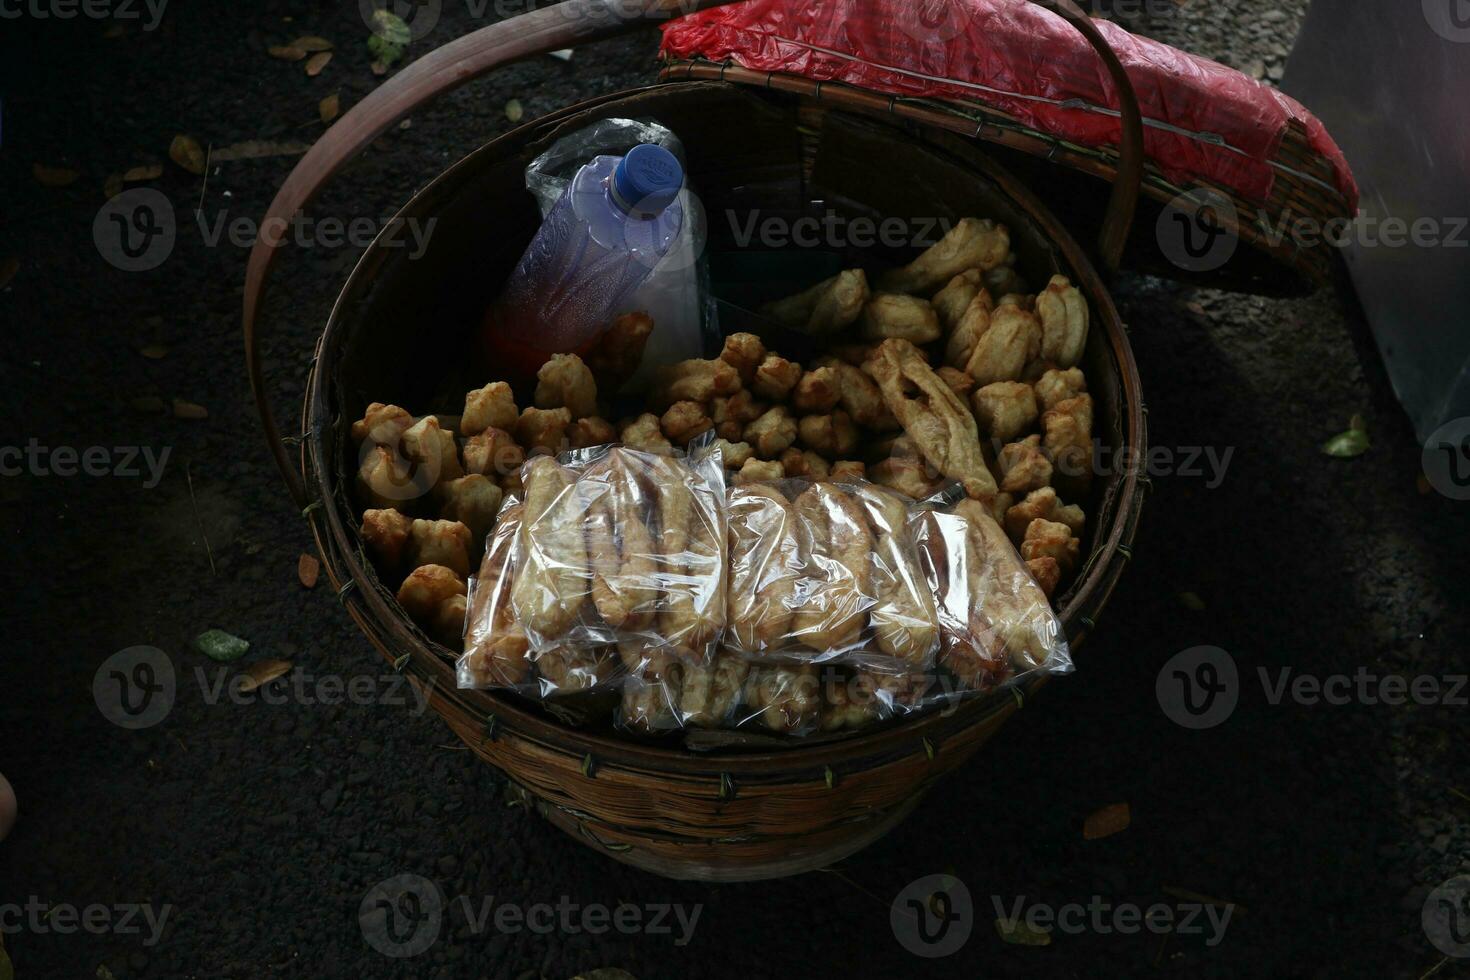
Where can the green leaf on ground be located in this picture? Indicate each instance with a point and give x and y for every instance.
(1346, 445)
(1018, 933)
(221, 646)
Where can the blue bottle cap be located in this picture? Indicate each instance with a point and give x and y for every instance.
(647, 180)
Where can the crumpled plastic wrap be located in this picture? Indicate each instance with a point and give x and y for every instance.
(995, 623)
(613, 563)
(1202, 120)
(826, 571)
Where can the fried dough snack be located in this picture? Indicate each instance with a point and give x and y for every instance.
(904, 619)
(897, 315)
(744, 352)
(685, 420)
(551, 575)
(433, 453)
(959, 382)
(818, 390)
(804, 464)
(1005, 409)
(709, 695)
(773, 433)
(565, 382)
(543, 428)
(691, 559)
(492, 405)
(835, 591)
(848, 471)
(731, 415)
(695, 381)
(645, 433)
(1010, 343)
(621, 552)
(493, 452)
(785, 699)
(444, 543)
(972, 324)
(1024, 466)
(472, 500)
(933, 416)
(426, 589)
(651, 701)
(829, 435)
(910, 477)
(1054, 386)
(827, 307)
(765, 566)
(1068, 441)
(619, 351)
(1010, 619)
(973, 243)
(385, 532)
(1063, 315)
(759, 471)
(954, 299)
(775, 377)
(568, 670)
(860, 396)
(1051, 539)
(496, 648)
(591, 431)
(1042, 504)
(383, 424)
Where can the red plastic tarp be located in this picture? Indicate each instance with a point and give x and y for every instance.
(1202, 119)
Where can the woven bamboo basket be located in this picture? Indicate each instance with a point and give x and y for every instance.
(737, 813)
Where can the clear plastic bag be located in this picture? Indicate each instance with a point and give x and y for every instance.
(995, 622)
(625, 548)
(827, 571)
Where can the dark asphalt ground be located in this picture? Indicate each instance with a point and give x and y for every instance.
(260, 828)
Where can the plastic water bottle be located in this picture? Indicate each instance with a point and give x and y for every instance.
(612, 226)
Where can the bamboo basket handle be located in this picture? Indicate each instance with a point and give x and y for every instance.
(1123, 201)
(464, 59)
(526, 36)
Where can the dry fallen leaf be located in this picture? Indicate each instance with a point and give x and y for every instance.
(54, 176)
(286, 52)
(112, 186)
(307, 569)
(189, 410)
(317, 62)
(154, 352)
(1106, 822)
(9, 266)
(1191, 601)
(262, 672)
(1425, 487)
(187, 153)
(147, 172)
(312, 43)
(514, 111)
(255, 149)
(329, 107)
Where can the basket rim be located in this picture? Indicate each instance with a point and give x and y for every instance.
(388, 628)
